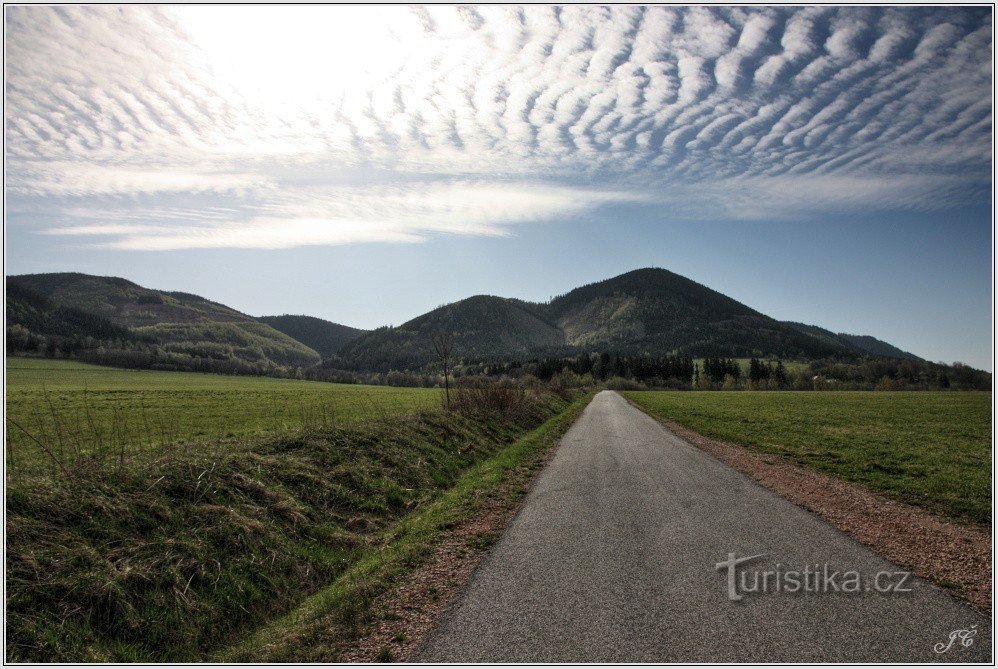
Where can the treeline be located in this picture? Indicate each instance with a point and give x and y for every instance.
(721, 373)
(157, 358)
(623, 372)
(598, 366)
(130, 354)
(612, 369)
(21, 340)
(720, 370)
(136, 352)
(393, 378)
(835, 374)
(891, 374)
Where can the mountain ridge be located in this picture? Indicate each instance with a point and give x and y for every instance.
(647, 311)
(183, 326)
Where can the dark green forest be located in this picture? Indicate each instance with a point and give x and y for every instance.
(324, 337)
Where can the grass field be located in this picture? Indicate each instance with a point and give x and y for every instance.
(80, 408)
(932, 449)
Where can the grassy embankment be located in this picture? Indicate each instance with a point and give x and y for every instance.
(78, 409)
(178, 553)
(932, 449)
(319, 629)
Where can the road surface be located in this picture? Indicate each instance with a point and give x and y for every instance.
(614, 556)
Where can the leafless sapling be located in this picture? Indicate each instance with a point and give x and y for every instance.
(443, 345)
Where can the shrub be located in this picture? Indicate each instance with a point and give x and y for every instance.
(482, 399)
(887, 383)
(620, 383)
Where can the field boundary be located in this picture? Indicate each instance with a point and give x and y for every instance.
(953, 555)
(380, 608)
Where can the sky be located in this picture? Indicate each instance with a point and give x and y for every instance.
(367, 164)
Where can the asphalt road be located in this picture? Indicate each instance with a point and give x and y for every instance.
(613, 559)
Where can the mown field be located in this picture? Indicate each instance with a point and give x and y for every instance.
(932, 449)
(72, 408)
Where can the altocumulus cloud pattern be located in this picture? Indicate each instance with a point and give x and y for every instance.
(263, 127)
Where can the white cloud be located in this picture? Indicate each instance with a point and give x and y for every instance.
(344, 215)
(245, 103)
(66, 178)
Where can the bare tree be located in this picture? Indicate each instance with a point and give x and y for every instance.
(443, 345)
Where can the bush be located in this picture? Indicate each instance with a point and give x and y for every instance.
(620, 383)
(505, 399)
(887, 383)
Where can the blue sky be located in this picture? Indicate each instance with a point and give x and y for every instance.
(827, 165)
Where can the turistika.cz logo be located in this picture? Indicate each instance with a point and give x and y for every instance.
(812, 579)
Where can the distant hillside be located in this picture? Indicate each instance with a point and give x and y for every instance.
(181, 326)
(875, 346)
(862, 345)
(646, 312)
(483, 326)
(320, 335)
(124, 302)
(38, 317)
(651, 311)
(656, 311)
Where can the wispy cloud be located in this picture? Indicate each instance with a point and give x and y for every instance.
(343, 215)
(478, 118)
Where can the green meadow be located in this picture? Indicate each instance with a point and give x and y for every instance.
(932, 449)
(71, 407)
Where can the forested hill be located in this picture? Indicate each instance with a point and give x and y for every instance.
(318, 334)
(644, 312)
(647, 312)
(483, 326)
(123, 323)
(863, 345)
(656, 311)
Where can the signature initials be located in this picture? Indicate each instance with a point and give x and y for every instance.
(966, 638)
